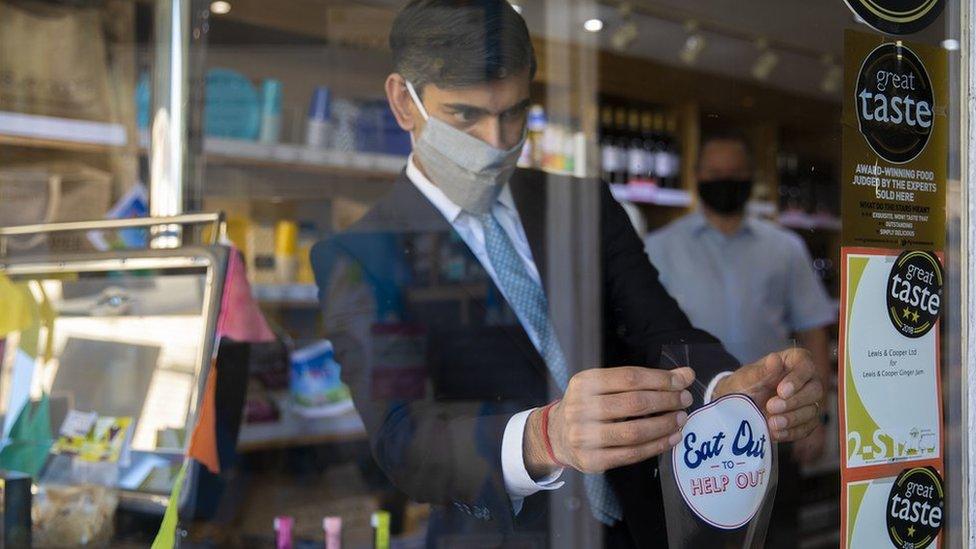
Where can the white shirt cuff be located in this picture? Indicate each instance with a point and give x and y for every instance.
(713, 384)
(518, 483)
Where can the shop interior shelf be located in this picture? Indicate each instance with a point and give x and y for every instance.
(306, 295)
(553, 171)
(680, 198)
(805, 221)
(295, 157)
(31, 130)
(299, 157)
(286, 294)
(292, 429)
(651, 194)
(762, 208)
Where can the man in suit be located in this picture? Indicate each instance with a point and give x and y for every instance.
(436, 303)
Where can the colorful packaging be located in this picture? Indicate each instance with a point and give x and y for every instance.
(315, 376)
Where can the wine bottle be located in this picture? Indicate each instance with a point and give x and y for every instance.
(609, 152)
(623, 142)
(649, 172)
(635, 147)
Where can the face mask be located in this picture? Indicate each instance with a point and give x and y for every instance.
(725, 196)
(469, 171)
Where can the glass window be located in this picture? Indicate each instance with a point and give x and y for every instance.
(506, 248)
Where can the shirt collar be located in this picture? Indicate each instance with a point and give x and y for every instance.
(700, 225)
(436, 196)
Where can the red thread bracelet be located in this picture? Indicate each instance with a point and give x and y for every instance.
(545, 433)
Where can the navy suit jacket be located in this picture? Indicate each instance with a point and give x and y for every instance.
(438, 363)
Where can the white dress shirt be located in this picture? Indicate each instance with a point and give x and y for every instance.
(518, 483)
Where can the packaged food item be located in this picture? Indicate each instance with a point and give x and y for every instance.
(73, 516)
(260, 242)
(286, 245)
(318, 131)
(332, 526)
(283, 537)
(270, 111)
(315, 386)
(381, 529)
(233, 106)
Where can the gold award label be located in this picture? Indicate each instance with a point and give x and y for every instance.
(897, 17)
(893, 175)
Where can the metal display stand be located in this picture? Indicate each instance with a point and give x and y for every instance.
(208, 261)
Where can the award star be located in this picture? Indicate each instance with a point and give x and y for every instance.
(906, 313)
(915, 316)
(911, 531)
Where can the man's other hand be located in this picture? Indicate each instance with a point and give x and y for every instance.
(808, 450)
(611, 417)
(787, 387)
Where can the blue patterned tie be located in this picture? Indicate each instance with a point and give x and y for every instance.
(528, 299)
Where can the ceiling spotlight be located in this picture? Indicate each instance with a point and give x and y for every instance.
(766, 62)
(624, 36)
(950, 44)
(219, 7)
(833, 77)
(694, 44)
(593, 25)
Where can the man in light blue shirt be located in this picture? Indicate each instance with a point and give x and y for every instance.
(747, 281)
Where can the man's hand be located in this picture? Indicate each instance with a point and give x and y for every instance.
(611, 417)
(787, 386)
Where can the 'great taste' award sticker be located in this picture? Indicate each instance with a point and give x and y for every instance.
(915, 292)
(895, 103)
(914, 510)
(723, 461)
(897, 16)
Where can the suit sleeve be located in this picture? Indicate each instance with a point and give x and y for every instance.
(645, 320)
(438, 452)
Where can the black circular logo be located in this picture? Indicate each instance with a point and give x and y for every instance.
(915, 510)
(915, 292)
(895, 106)
(897, 16)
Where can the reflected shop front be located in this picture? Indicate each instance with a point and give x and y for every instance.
(486, 273)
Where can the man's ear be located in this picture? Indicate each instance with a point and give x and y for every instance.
(406, 113)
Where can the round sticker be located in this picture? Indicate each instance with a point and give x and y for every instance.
(723, 461)
(915, 292)
(897, 16)
(915, 513)
(895, 105)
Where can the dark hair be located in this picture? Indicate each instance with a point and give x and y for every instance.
(458, 43)
(725, 135)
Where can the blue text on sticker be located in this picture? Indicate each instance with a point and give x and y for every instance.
(744, 443)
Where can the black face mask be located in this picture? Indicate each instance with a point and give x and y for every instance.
(725, 196)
